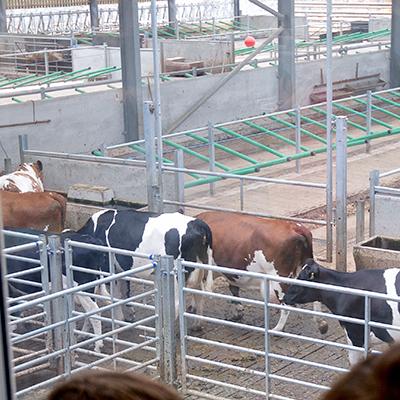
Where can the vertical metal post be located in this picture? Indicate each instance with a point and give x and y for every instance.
(131, 71)
(168, 308)
(172, 13)
(367, 319)
(94, 15)
(211, 154)
(395, 45)
(236, 9)
(7, 165)
(7, 378)
(68, 304)
(298, 136)
(46, 62)
(157, 95)
(329, 150)
(241, 194)
(57, 305)
(46, 288)
(159, 323)
(180, 179)
(341, 193)
(373, 181)
(266, 287)
(153, 190)
(23, 145)
(286, 56)
(3, 16)
(182, 323)
(369, 118)
(106, 55)
(360, 220)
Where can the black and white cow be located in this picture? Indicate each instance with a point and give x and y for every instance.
(88, 258)
(172, 234)
(382, 281)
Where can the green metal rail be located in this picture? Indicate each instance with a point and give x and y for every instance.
(279, 127)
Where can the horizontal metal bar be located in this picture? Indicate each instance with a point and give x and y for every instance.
(226, 385)
(290, 281)
(82, 157)
(85, 286)
(392, 172)
(386, 190)
(24, 259)
(24, 272)
(282, 217)
(21, 235)
(299, 382)
(248, 178)
(21, 247)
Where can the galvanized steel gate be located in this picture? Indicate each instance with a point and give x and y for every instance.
(52, 327)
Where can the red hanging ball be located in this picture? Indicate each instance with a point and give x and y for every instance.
(249, 41)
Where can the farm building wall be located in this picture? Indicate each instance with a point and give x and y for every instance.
(81, 123)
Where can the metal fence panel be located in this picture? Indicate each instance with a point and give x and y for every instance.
(248, 358)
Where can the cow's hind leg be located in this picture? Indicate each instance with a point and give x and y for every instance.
(90, 305)
(239, 307)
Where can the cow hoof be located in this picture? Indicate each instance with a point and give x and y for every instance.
(323, 327)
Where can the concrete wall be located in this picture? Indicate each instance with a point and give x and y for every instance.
(387, 215)
(81, 123)
(210, 52)
(73, 124)
(99, 57)
(253, 92)
(127, 182)
(376, 24)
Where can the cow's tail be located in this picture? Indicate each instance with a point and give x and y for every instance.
(63, 205)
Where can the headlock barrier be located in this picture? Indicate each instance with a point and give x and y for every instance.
(66, 327)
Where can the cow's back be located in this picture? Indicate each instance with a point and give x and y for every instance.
(236, 237)
(33, 210)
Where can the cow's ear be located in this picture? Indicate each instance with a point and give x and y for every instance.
(39, 165)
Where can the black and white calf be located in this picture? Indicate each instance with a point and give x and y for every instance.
(382, 281)
(172, 234)
(91, 259)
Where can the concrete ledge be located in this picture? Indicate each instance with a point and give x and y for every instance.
(90, 194)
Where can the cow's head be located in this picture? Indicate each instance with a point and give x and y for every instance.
(196, 242)
(300, 294)
(34, 170)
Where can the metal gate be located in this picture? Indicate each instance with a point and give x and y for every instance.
(66, 328)
(248, 359)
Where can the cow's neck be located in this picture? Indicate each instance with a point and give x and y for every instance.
(330, 277)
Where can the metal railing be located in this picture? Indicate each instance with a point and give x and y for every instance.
(63, 326)
(376, 188)
(250, 357)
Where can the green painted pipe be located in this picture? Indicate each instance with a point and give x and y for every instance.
(251, 141)
(16, 100)
(274, 134)
(222, 147)
(385, 100)
(13, 81)
(309, 120)
(254, 168)
(351, 110)
(380, 109)
(64, 75)
(288, 124)
(36, 79)
(194, 154)
(358, 126)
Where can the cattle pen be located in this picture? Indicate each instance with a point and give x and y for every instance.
(272, 109)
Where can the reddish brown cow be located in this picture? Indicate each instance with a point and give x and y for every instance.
(255, 244)
(44, 210)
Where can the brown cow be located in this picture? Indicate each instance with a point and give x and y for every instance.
(27, 178)
(263, 245)
(44, 211)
